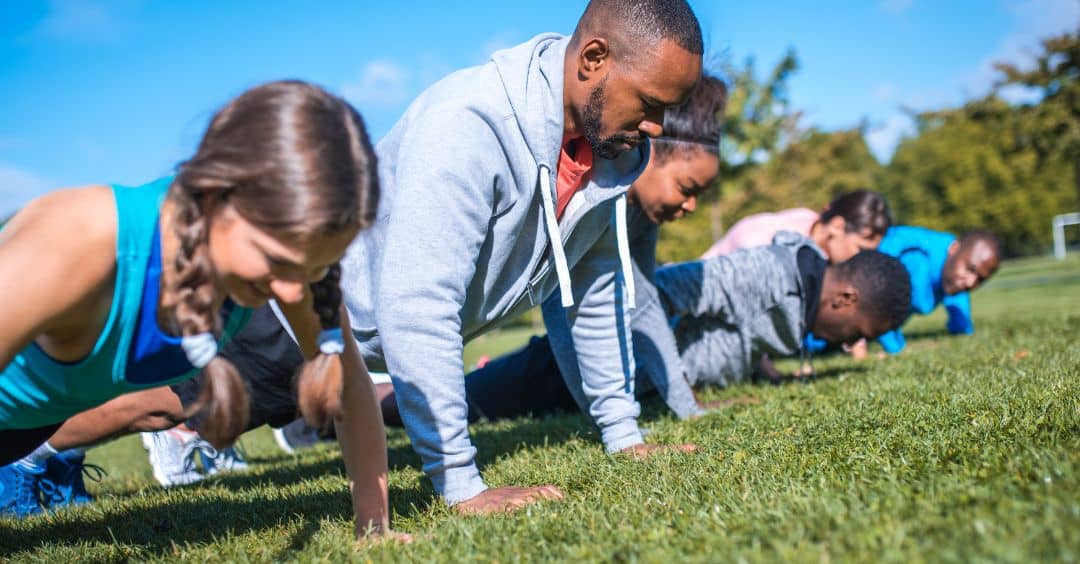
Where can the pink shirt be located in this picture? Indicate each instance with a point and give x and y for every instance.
(758, 229)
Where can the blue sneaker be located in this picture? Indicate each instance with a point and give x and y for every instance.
(62, 484)
(19, 490)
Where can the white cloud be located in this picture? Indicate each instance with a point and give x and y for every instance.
(896, 7)
(1033, 20)
(18, 186)
(884, 138)
(382, 83)
(884, 93)
(95, 20)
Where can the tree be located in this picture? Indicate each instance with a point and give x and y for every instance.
(1055, 121)
(756, 119)
(977, 167)
(810, 170)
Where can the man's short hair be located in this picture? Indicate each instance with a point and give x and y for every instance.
(984, 236)
(645, 22)
(883, 283)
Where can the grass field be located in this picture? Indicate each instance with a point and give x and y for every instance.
(960, 449)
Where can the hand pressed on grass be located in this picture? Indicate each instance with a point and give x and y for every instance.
(642, 451)
(376, 537)
(506, 499)
(720, 404)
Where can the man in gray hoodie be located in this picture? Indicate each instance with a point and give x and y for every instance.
(469, 231)
(491, 198)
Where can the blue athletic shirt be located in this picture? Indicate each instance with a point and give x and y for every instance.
(923, 253)
(132, 353)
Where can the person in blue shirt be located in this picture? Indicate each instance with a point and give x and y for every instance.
(943, 270)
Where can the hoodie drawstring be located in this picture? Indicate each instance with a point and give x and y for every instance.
(557, 251)
(624, 250)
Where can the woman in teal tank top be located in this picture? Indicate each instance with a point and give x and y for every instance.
(109, 289)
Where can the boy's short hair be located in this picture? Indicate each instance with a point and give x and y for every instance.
(883, 283)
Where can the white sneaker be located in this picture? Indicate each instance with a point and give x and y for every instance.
(229, 459)
(172, 456)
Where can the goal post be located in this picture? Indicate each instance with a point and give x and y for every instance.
(1060, 221)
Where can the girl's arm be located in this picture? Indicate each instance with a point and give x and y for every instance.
(57, 264)
(359, 429)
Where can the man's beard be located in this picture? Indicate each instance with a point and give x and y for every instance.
(605, 147)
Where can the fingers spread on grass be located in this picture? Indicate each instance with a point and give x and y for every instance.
(506, 499)
(643, 451)
(367, 541)
(720, 404)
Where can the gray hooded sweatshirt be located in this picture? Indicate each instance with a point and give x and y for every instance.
(656, 353)
(466, 237)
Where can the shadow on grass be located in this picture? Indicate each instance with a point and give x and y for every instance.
(202, 516)
(831, 372)
(167, 522)
(926, 334)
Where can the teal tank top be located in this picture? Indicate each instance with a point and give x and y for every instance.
(36, 390)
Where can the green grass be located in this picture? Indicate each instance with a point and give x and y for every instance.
(960, 449)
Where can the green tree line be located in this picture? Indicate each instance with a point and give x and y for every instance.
(986, 164)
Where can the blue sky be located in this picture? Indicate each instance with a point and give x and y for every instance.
(119, 91)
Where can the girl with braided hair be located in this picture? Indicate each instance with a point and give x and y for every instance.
(156, 278)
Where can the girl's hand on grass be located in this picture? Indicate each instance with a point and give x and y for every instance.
(370, 538)
(642, 451)
(506, 499)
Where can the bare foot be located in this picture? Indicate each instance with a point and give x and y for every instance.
(506, 499)
(642, 451)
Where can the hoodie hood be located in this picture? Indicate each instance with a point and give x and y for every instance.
(532, 77)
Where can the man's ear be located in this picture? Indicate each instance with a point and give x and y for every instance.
(593, 58)
(953, 247)
(846, 296)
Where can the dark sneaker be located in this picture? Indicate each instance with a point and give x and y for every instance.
(296, 436)
(62, 484)
(19, 491)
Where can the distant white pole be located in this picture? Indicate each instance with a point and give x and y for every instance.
(1060, 221)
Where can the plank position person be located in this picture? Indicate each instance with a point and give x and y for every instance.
(944, 270)
(500, 184)
(710, 321)
(160, 275)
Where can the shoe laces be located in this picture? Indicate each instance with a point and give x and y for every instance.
(174, 452)
(26, 486)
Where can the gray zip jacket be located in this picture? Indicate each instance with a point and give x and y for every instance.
(656, 353)
(466, 237)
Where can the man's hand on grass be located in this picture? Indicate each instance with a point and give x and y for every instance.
(858, 350)
(721, 404)
(506, 499)
(642, 451)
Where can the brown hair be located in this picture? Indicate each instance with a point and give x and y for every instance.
(293, 160)
(862, 210)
